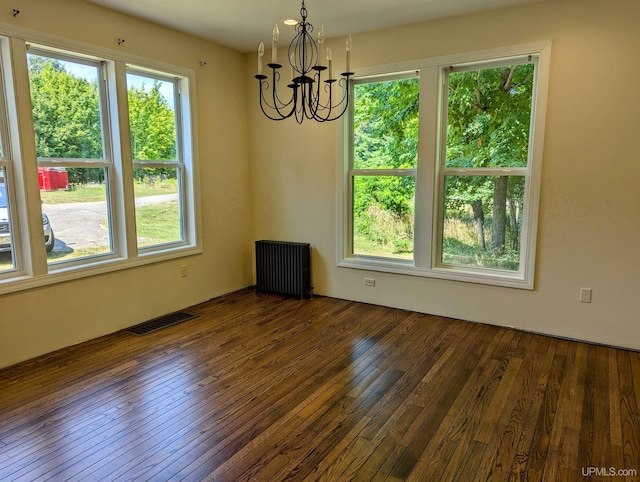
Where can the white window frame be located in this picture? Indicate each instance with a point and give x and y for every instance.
(106, 162)
(32, 269)
(177, 164)
(6, 166)
(431, 171)
(352, 172)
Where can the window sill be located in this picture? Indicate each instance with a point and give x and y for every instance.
(452, 273)
(61, 274)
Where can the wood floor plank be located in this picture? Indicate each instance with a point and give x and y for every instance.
(628, 412)
(545, 419)
(270, 388)
(304, 453)
(372, 389)
(448, 446)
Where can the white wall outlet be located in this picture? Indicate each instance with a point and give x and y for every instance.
(585, 295)
(369, 282)
(184, 270)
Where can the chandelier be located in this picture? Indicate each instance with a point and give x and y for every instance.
(310, 96)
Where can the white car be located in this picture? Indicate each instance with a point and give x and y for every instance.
(5, 228)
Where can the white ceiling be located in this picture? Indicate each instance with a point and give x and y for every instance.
(243, 24)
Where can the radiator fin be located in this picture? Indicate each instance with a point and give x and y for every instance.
(283, 267)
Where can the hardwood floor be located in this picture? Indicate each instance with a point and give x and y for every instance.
(262, 387)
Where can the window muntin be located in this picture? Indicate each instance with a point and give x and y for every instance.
(449, 172)
(383, 167)
(154, 107)
(67, 97)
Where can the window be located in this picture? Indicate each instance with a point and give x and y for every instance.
(442, 168)
(385, 157)
(486, 160)
(110, 153)
(75, 166)
(8, 254)
(154, 105)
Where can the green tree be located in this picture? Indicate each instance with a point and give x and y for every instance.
(488, 125)
(153, 130)
(152, 122)
(66, 116)
(386, 138)
(67, 119)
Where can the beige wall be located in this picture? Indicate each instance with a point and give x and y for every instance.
(263, 179)
(45, 319)
(589, 224)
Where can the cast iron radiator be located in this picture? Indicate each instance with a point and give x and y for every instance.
(283, 267)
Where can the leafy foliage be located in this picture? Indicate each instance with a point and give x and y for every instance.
(488, 119)
(151, 119)
(386, 139)
(488, 123)
(66, 115)
(67, 120)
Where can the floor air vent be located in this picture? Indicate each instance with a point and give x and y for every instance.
(159, 323)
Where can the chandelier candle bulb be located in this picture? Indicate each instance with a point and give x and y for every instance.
(274, 44)
(349, 47)
(329, 59)
(260, 55)
(320, 42)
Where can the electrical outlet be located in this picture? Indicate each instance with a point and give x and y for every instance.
(369, 282)
(585, 295)
(184, 270)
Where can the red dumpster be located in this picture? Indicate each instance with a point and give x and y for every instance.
(52, 178)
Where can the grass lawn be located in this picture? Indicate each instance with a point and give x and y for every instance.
(363, 245)
(158, 223)
(95, 192)
(155, 224)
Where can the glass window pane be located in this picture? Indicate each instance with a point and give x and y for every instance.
(7, 261)
(158, 215)
(383, 216)
(385, 124)
(78, 215)
(66, 108)
(483, 221)
(152, 118)
(488, 117)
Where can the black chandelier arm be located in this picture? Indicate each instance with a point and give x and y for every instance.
(275, 113)
(322, 112)
(271, 108)
(277, 103)
(277, 109)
